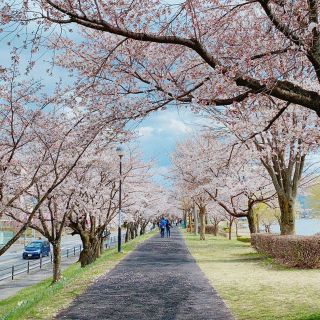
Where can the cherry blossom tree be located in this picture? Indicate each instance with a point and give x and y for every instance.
(145, 203)
(24, 150)
(193, 47)
(180, 205)
(216, 215)
(238, 190)
(235, 185)
(189, 53)
(96, 203)
(152, 53)
(49, 220)
(282, 149)
(42, 140)
(60, 143)
(189, 179)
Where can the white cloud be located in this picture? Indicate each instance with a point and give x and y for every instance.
(145, 132)
(178, 127)
(160, 131)
(168, 124)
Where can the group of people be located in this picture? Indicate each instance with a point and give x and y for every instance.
(164, 224)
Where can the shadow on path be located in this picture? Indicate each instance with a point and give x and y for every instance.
(159, 280)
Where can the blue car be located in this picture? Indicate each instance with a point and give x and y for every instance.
(36, 249)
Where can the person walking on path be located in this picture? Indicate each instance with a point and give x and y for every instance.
(168, 226)
(162, 226)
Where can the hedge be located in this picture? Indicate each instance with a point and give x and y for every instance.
(209, 229)
(293, 251)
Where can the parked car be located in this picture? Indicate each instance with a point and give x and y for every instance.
(36, 249)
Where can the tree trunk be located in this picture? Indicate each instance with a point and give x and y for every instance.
(136, 231)
(202, 216)
(252, 222)
(132, 231)
(102, 244)
(190, 221)
(215, 229)
(90, 251)
(98, 247)
(142, 230)
(195, 219)
(287, 219)
(185, 218)
(56, 248)
(230, 229)
(236, 223)
(127, 234)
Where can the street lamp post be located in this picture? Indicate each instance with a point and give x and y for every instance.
(120, 153)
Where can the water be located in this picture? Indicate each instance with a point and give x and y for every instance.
(304, 227)
(5, 236)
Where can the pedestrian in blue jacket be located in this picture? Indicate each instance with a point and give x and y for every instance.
(162, 226)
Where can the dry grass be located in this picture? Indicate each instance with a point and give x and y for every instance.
(254, 287)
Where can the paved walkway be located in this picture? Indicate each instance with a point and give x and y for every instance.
(157, 281)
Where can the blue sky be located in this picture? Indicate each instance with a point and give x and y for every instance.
(158, 134)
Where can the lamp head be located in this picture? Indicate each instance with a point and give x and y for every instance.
(120, 151)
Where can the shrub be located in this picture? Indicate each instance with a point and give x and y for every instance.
(210, 229)
(293, 251)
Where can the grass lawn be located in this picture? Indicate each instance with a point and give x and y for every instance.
(254, 287)
(43, 301)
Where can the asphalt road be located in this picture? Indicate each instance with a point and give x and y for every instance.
(14, 255)
(10, 287)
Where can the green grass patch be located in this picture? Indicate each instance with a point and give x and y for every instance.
(252, 285)
(44, 301)
(244, 239)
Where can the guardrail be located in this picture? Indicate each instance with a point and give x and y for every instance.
(29, 265)
(111, 240)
